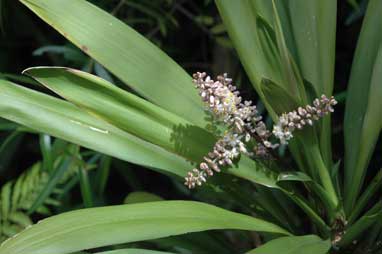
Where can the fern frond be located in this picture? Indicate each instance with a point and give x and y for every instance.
(18, 196)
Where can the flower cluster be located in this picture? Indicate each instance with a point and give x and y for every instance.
(297, 119)
(223, 101)
(223, 153)
(241, 117)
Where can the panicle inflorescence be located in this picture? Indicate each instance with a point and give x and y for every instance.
(241, 117)
(297, 119)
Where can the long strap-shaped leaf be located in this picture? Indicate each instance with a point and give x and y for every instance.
(310, 32)
(363, 115)
(263, 52)
(311, 244)
(64, 120)
(126, 53)
(254, 41)
(126, 111)
(141, 118)
(96, 227)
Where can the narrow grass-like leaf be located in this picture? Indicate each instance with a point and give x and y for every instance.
(96, 227)
(312, 35)
(55, 177)
(292, 80)
(86, 190)
(363, 113)
(46, 151)
(311, 244)
(245, 27)
(313, 28)
(126, 53)
(103, 174)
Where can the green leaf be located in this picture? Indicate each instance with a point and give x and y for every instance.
(254, 40)
(65, 121)
(69, 232)
(245, 24)
(311, 244)
(277, 96)
(5, 198)
(126, 111)
(293, 176)
(322, 194)
(363, 113)
(282, 102)
(143, 119)
(304, 145)
(294, 84)
(124, 52)
(292, 80)
(283, 181)
(20, 218)
(72, 55)
(371, 189)
(312, 35)
(141, 197)
(46, 150)
(86, 190)
(103, 174)
(54, 179)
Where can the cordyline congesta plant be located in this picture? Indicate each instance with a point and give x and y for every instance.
(223, 101)
(287, 48)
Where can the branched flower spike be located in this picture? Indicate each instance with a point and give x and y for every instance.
(288, 122)
(225, 104)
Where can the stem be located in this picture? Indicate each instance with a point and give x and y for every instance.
(323, 173)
